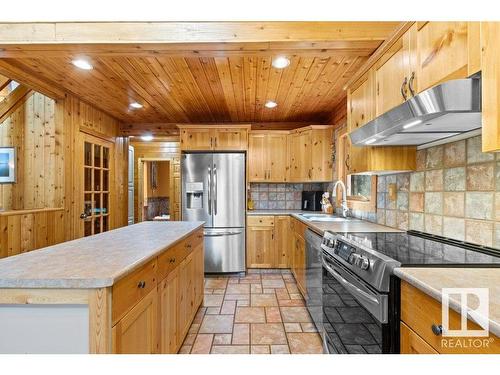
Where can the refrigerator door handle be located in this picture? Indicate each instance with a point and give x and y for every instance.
(221, 234)
(215, 188)
(209, 191)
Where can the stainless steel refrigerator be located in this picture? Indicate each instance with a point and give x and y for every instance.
(213, 191)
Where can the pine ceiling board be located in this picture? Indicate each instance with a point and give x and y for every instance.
(272, 92)
(263, 71)
(286, 80)
(224, 73)
(210, 69)
(250, 84)
(236, 69)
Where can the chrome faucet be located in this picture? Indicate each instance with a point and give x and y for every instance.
(343, 202)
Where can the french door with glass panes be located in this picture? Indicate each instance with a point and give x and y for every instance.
(97, 177)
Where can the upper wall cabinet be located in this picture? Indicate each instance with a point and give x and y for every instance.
(360, 103)
(268, 156)
(214, 138)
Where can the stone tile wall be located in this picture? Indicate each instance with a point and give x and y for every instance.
(280, 196)
(455, 193)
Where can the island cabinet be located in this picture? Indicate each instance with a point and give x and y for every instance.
(421, 328)
(298, 254)
(214, 138)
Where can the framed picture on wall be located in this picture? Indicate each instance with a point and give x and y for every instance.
(7, 165)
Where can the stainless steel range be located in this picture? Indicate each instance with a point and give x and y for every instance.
(359, 296)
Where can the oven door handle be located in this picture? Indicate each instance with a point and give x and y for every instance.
(352, 288)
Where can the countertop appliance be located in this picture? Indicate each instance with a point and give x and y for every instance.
(445, 110)
(360, 301)
(311, 200)
(213, 191)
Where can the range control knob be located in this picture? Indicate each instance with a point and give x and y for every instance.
(363, 263)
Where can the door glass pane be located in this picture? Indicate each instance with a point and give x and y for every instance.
(97, 204)
(88, 205)
(105, 200)
(88, 154)
(97, 156)
(97, 179)
(105, 186)
(97, 225)
(105, 157)
(104, 223)
(88, 179)
(87, 227)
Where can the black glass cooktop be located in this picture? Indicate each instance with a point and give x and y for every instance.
(419, 249)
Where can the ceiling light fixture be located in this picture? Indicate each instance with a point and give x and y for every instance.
(281, 62)
(370, 141)
(413, 123)
(271, 104)
(147, 137)
(136, 105)
(82, 64)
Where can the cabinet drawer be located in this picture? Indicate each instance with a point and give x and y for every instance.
(132, 288)
(420, 312)
(411, 343)
(260, 221)
(169, 259)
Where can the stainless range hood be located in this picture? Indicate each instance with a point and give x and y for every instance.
(443, 111)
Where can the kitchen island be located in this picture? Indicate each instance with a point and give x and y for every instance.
(135, 289)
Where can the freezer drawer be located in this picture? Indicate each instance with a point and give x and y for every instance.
(224, 250)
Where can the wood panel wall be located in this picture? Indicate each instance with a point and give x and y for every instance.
(44, 206)
(37, 136)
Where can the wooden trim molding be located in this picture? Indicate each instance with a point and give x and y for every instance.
(15, 98)
(100, 321)
(32, 211)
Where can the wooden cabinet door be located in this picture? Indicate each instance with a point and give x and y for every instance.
(260, 247)
(283, 242)
(201, 139)
(411, 343)
(277, 157)
(199, 272)
(300, 144)
(136, 332)
(185, 296)
(321, 155)
(442, 52)
(257, 157)
(168, 298)
(391, 78)
(301, 264)
(360, 102)
(227, 139)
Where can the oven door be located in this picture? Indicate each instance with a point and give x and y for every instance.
(354, 315)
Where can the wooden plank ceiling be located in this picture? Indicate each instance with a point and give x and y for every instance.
(208, 82)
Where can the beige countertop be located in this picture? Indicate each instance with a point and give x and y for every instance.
(432, 280)
(356, 225)
(93, 262)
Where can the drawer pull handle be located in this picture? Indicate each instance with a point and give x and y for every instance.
(172, 260)
(142, 284)
(188, 246)
(437, 329)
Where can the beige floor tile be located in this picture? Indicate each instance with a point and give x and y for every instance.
(305, 343)
(268, 291)
(212, 311)
(292, 288)
(194, 328)
(241, 334)
(237, 297)
(260, 349)
(280, 349)
(295, 315)
(230, 349)
(243, 303)
(233, 280)
(238, 289)
(250, 315)
(208, 291)
(185, 349)
(219, 291)
(255, 288)
(273, 283)
(222, 339)
(228, 307)
(273, 315)
(212, 300)
(296, 296)
(291, 302)
(308, 327)
(199, 315)
(217, 324)
(202, 344)
(216, 283)
(263, 300)
(268, 334)
(189, 340)
(282, 293)
(292, 327)
(272, 276)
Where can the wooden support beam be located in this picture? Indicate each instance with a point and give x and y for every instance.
(13, 101)
(4, 81)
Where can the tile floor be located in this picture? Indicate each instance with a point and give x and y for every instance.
(260, 313)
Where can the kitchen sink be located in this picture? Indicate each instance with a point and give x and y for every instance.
(320, 217)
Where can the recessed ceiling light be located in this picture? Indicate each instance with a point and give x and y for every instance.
(136, 105)
(370, 141)
(82, 64)
(270, 104)
(413, 123)
(147, 137)
(281, 62)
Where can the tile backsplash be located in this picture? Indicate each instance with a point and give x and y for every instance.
(455, 192)
(280, 196)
